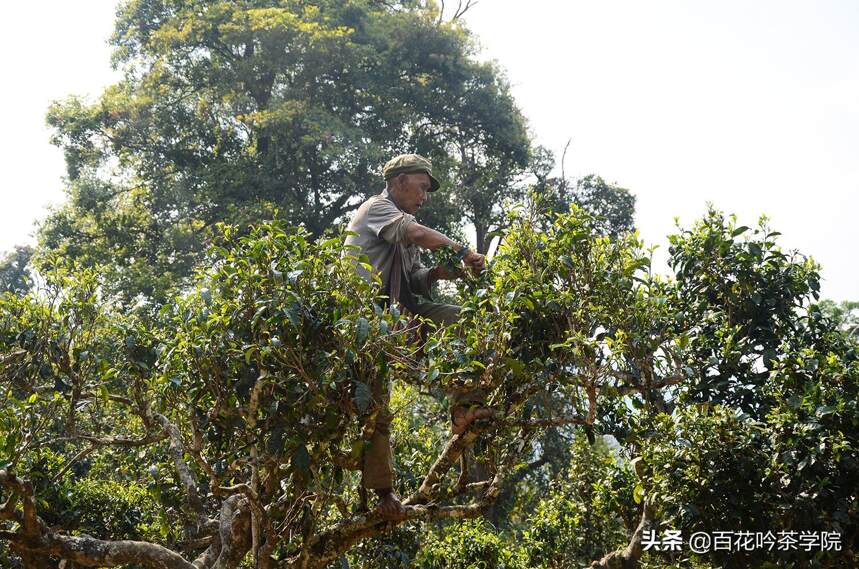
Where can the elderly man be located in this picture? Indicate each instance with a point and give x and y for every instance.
(386, 231)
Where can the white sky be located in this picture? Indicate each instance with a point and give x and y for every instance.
(751, 105)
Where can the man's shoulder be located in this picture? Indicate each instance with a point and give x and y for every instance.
(375, 211)
(361, 210)
(378, 207)
(378, 201)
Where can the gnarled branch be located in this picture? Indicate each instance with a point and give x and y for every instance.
(627, 558)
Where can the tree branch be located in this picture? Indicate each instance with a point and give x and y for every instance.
(91, 552)
(448, 457)
(30, 522)
(234, 533)
(627, 558)
(79, 456)
(328, 546)
(639, 387)
(461, 10)
(37, 539)
(186, 476)
(537, 423)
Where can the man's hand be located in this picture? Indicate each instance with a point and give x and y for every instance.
(441, 273)
(476, 261)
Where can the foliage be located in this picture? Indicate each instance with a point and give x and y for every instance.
(533, 321)
(612, 206)
(473, 544)
(845, 314)
(232, 111)
(14, 276)
(588, 512)
(220, 416)
(739, 295)
(91, 503)
(249, 398)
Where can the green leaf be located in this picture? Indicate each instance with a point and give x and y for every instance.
(301, 461)
(824, 410)
(362, 397)
(275, 441)
(258, 314)
(293, 316)
(363, 331)
(637, 465)
(357, 449)
(638, 493)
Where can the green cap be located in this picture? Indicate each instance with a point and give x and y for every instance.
(408, 164)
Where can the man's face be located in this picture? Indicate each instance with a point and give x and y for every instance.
(410, 191)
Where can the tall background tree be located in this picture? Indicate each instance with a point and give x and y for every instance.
(14, 270)
(240, 111)
(722, 396)
(612, 205)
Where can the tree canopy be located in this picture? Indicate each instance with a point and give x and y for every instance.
(232, 111)
(232, 418)
(14, 276)
(188, 374)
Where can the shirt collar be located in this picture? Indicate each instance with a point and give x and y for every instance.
(385, 195)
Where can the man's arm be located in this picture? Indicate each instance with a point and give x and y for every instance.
(427, 238)
(431, 239)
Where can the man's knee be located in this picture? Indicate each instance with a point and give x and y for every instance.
(440, 314)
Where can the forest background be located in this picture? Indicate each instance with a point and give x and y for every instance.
(164, 313)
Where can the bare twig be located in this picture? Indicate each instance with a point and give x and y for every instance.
(461, 10)
(563, 166)
(79, 456)
(556, 422)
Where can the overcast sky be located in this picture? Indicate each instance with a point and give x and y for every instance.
(753, 106)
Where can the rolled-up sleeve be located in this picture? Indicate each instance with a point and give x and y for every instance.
(385, 220)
